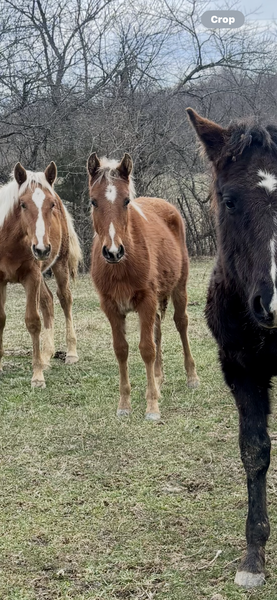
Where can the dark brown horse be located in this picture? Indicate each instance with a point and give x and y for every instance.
(139, 260)
(242, 301)
(36, 232)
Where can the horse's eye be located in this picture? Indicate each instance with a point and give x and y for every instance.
(53, 205)
(126, 201)
(230, 205)
(22, 204)
(93, 202)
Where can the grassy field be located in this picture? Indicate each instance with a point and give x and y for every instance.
(97, 508)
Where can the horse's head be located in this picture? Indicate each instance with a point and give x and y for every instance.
(111, 189)
(37, 201)
(245, 193)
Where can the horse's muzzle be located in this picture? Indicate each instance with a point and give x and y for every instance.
(41, 254)
(113, 257)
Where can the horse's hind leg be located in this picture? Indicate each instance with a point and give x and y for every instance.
(61, 273)
(47, 309)
(179, 299)
(158, 367)
(2, 320)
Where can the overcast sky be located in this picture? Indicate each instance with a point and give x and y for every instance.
(266, 9)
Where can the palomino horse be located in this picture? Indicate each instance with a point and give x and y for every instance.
(242, 301)
(36, 232)
(139, 260)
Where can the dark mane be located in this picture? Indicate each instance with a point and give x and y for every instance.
(247, 133)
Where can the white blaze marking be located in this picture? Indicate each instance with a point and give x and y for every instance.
(269, 181)
(38, 198)
(273, 303)
(110, 192)
(138, 209)
(113, 247)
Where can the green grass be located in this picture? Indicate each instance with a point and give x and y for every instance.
(97, 508)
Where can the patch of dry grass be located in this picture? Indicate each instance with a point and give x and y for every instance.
(96, 508)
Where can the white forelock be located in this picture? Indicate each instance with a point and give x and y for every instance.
(108, 168)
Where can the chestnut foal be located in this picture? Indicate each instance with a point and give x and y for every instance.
(36, 232)
(139, 260)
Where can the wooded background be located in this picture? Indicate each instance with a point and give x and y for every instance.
(109, 76)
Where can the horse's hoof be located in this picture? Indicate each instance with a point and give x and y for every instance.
(123, 412)
(38, 383)
(249, 580)
(193, 383)
(71, 360)
(152, 416)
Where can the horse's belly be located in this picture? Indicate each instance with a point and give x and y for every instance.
(169, 273)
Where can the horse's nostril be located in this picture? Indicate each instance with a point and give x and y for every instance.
(120, 252)
(41, 253)
(258, 305)
(260, 310)
(113, 257)
(105, 252)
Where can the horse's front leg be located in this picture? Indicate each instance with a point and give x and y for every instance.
(33, 324)
(147, 315)
(47, 309)
(253, 405)
(117, 322)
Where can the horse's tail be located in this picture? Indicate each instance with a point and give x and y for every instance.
(75, 255)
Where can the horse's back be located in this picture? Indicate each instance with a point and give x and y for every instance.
(162, 210)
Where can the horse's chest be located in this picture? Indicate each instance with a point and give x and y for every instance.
(14, 268)
(9, 270)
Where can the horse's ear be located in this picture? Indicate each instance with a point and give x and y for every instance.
(93, 164)
(126, 166)
(212, 136)
(51, 173)
(20, 174)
